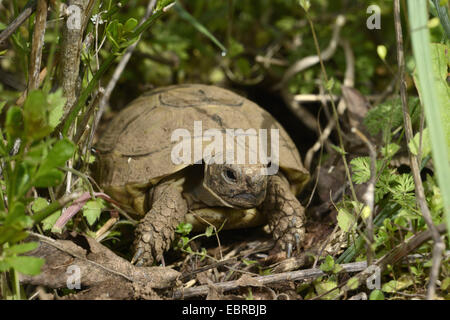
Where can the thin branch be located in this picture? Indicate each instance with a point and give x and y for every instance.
(119, 69)
(308, 62)
(420, 194)
(72, 36)
(369, 195)
(394, 256)
(349, 81)
(17, 22)
(37, 45)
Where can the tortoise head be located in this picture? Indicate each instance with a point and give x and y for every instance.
(237, 185)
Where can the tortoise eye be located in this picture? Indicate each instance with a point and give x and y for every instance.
(229, 174)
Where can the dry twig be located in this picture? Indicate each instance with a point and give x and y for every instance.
(21, 18)
(37, 45)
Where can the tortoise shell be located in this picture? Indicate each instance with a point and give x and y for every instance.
(135, 152)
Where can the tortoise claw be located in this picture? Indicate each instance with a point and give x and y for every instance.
(297, 240)
(289, 250)
(136, 256)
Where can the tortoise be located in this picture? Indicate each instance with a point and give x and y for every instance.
(136, 167)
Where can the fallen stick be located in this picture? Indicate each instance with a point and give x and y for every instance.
(395, 255)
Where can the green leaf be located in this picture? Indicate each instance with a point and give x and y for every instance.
(20, 180)
(92, 210)
(376, 295)
(305, 4)
(209, 231)
(39, 204)
(14, 122)
(382, 51)
(426, 145)
(26, 265)
(396, 285)
(197, 25)
(390, 112)
(235, 48)
(21, 248)
(353, 283)
(328, 264)
(35, 116)
(390, 150)
(445, 284)
(2, 105)
(50, 178)
(323, 287)
(49, 222)
(184, 228)
(4, 266)
(58, 155)
(346, 220)
(56, 102)
(16, 213)
(47, 174)
(360, 169)
(130, 25)
(12, 233)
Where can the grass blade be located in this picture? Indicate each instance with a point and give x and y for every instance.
(417, 11)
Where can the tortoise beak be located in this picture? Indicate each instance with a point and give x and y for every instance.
(250, 200)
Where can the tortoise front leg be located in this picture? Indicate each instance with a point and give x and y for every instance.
(156, 231)
(285, 214)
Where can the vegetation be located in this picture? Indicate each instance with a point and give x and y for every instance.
(371, 103)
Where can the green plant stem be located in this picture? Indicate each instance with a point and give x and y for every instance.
(16, 285)
(105, 66)
(421, 50)
(86, 93)
(443, 17)
(54, 206)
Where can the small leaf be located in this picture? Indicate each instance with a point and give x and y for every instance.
(39, 204)
(49, 222)
(346, 220)
(61, 152)
(323, 287)
(47, 174)
(305, 4)
(353, 283)
(445, 284)
(328, 264)
(2, 105)
(26, 265)
(390, 150)
(382, 51)
(426, 144)
(4, 266)
(376, 295)
(130, 25)
(50, 178)
(56, 102)
(14, 122)
(184, 228)
(35, 116)
(22, 248)
(397, 285)
(209, 231)
(92, 210)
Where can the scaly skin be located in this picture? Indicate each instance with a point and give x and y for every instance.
(285, 214)
(156, 230)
